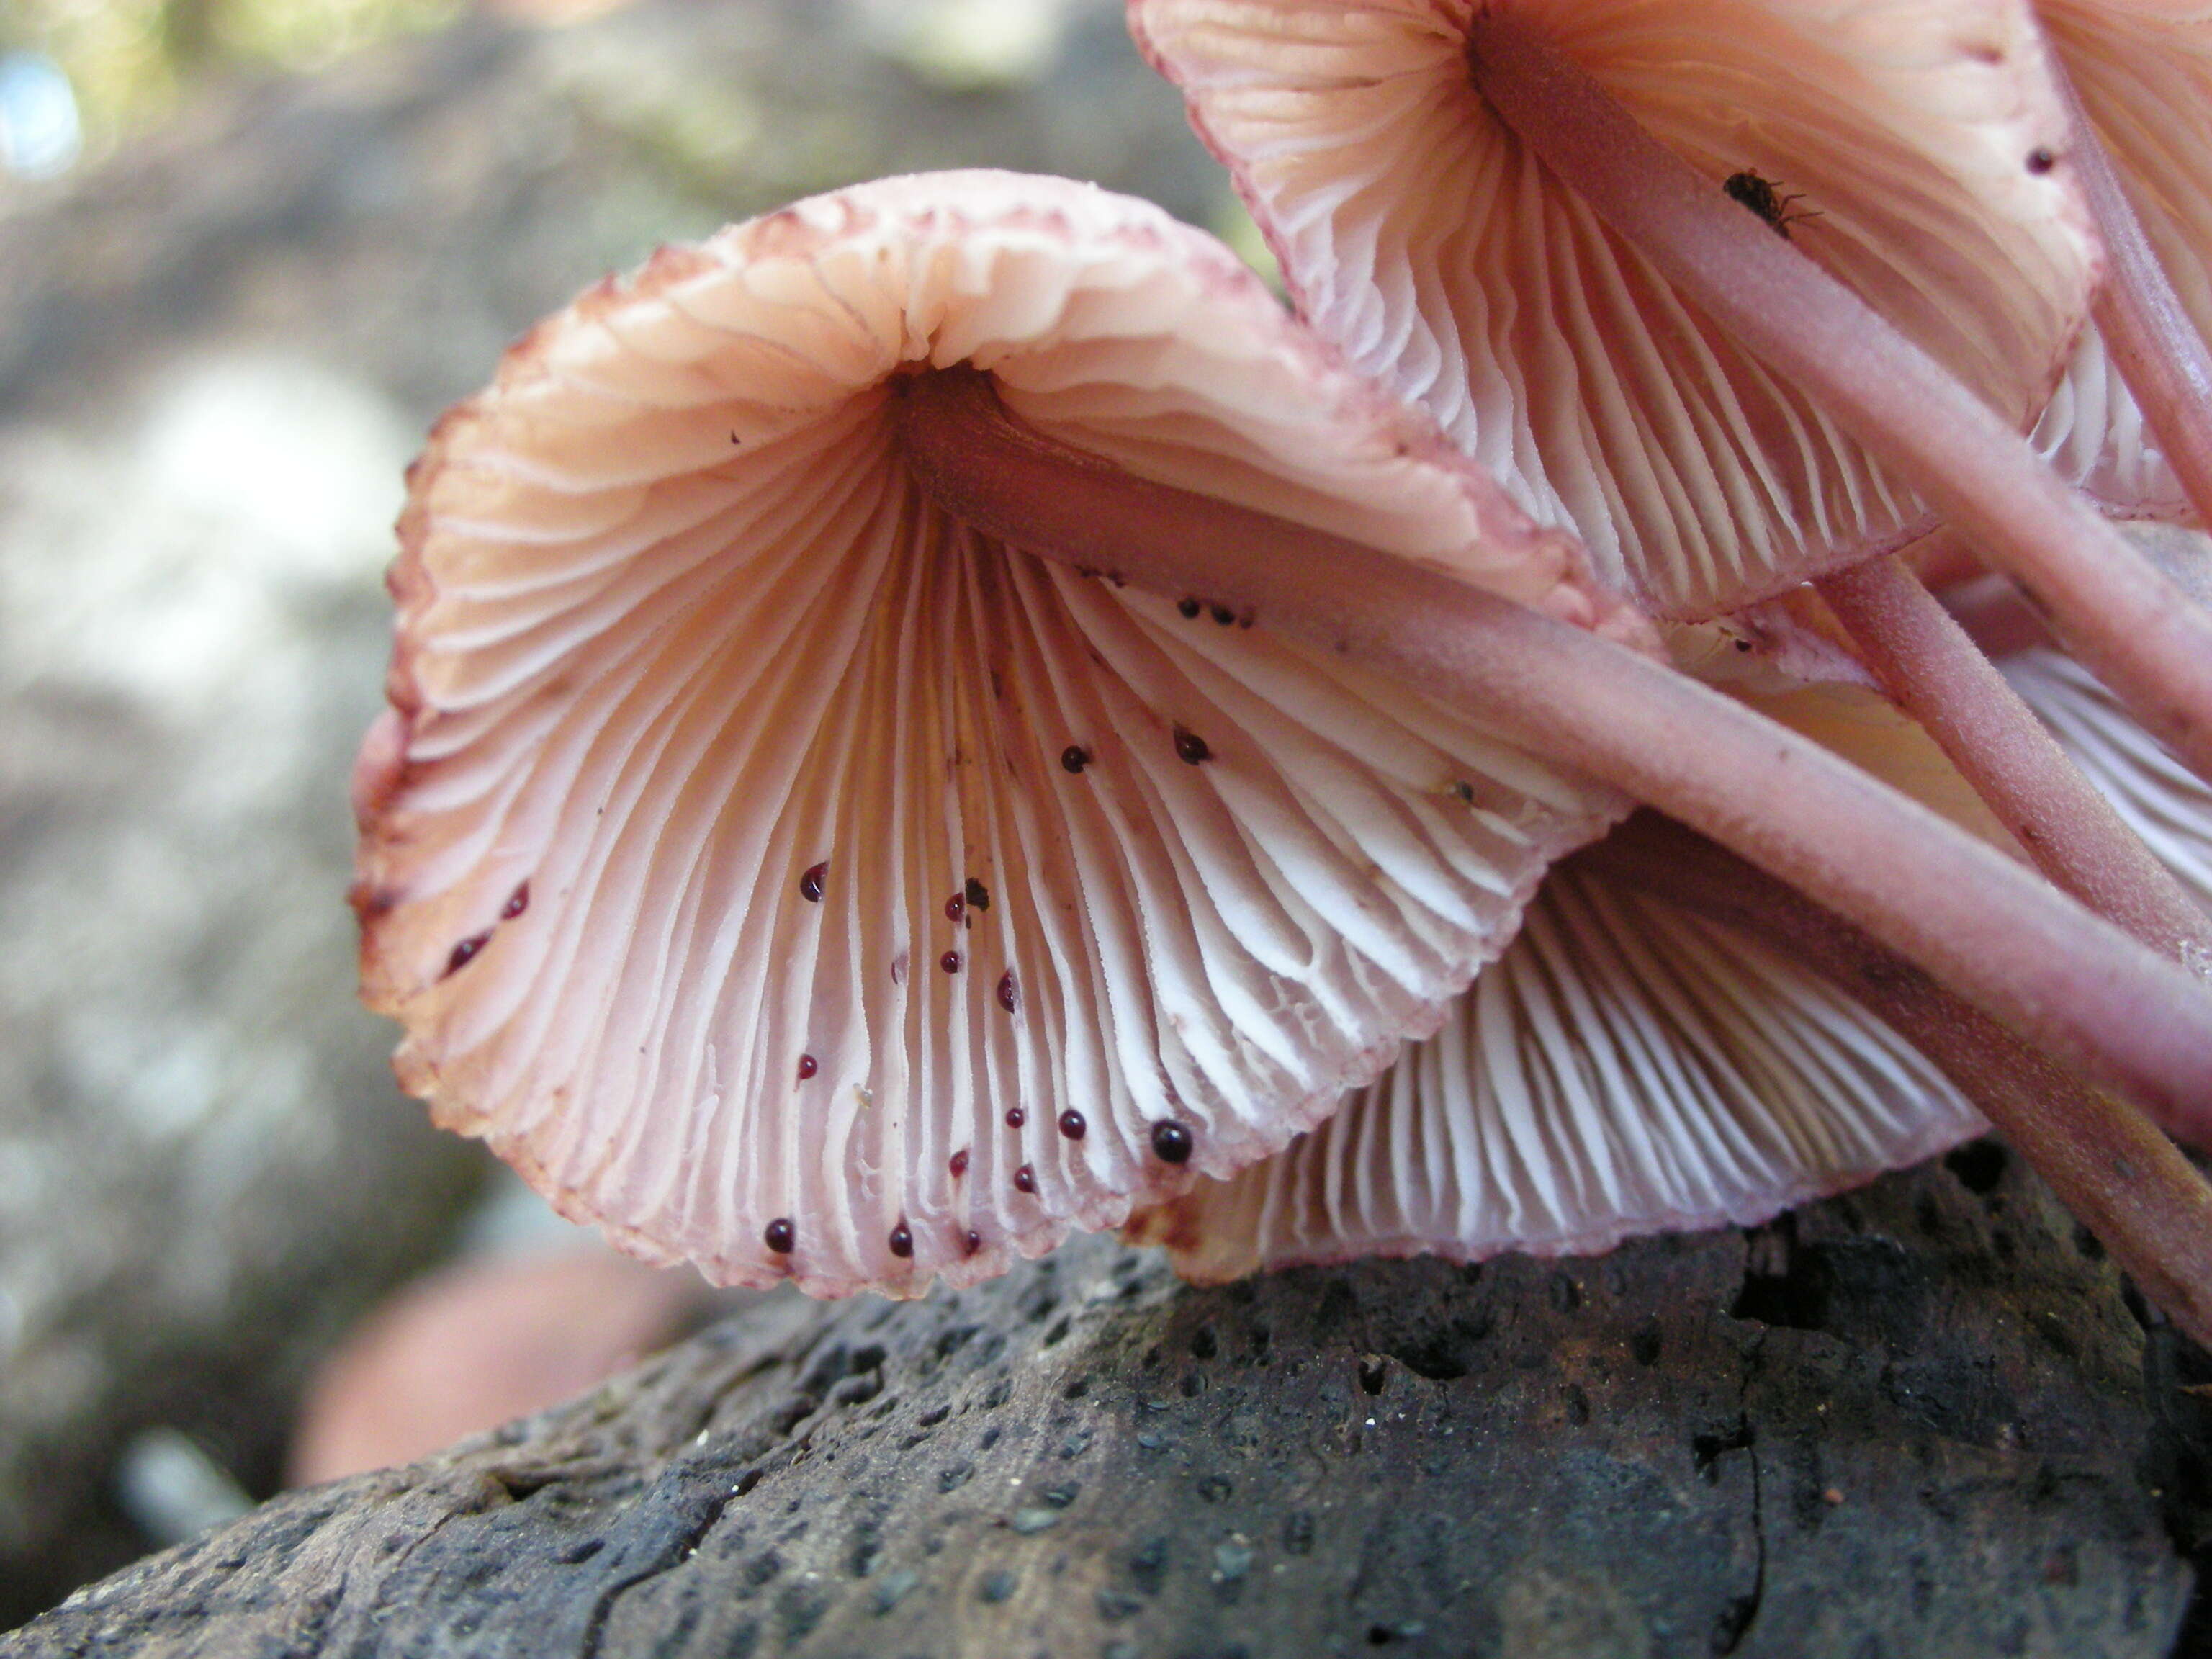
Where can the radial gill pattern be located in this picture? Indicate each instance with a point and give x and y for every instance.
(2157, 797)
(1910, 148)
(786, 877)
(1624, 1068)
(2142, 69)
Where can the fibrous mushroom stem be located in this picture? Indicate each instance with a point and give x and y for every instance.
(2125, 620)
(2147, 329)
(2067, 981)
(1925, 661)
(2108, 1165)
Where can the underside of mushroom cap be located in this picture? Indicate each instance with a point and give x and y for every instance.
(2142, 69)
(2164, 803)
(1624, 1068)
(1627, 1068)
(1415, 231)
(789, 878)
(2092, 431)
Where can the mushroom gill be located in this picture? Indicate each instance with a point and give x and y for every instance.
(2141, 73)
(1638, 1061)
(789, 878)
(1711, 1080)
(1625, 1067)
(1529, 216)
(2164, 803)
(1419, 232)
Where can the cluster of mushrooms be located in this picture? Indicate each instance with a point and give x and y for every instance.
(1674, 678)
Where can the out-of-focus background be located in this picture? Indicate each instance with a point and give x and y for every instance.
(248, 249)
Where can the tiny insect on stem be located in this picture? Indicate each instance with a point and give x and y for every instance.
(1752, 190)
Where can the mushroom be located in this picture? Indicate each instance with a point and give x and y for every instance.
(481, 1343)
(2141, 77)
(1625, 1067)
(1632, 1065)
(2162, 800)
(789, 876)
(728, 696)
(1654, 734)
(1528, 216)
(1637, 1063)
(2013, 945)
(1416, 229)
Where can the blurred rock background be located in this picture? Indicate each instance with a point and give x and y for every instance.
(248, 248)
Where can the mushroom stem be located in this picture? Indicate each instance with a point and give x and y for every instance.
(2108, 1165)
(2033, 958)
(2132, 627)
(2147, 329)
(1924, 661)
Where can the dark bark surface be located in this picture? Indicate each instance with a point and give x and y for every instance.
(1921, 1420)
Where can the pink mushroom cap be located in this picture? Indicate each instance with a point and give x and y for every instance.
(1627, 1068)
(791, 879)
(1914, 146)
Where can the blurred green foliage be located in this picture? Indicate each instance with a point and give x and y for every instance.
(129, 59)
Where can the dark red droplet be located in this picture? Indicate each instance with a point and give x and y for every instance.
(1223, 616)
(960, 1164)
(806, 1068)
(466, 951)
(974, 1241)
(1171, 1141)
(2040, 160)
(901, 1240)
(1075, 757)
(1190, 748)
(950, 962)
(1016, 1117)
(810, 884)
(954, 908)
(779, 1236)
(1189, 607)
(517, 903)
(1072, 1124)
(1009, 996)
(979, 896)
(1025, 1180)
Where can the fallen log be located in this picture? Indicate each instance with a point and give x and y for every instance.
(1921, 1418)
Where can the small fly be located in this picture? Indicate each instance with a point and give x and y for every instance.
(1759, 194)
